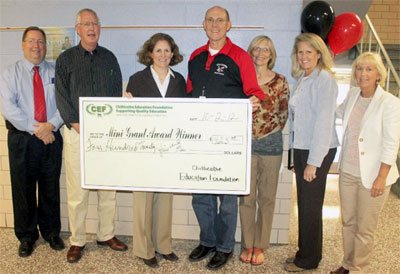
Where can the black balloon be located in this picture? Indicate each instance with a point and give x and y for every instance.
(318, 17)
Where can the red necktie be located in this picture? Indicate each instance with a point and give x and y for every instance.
(38, 96)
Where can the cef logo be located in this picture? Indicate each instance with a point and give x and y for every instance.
(99, 110)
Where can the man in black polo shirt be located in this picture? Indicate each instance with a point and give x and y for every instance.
(219, 69)
(86, 70)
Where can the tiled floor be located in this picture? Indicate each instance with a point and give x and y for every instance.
(385, 258)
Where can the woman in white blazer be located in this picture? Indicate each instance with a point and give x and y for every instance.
(371, 123)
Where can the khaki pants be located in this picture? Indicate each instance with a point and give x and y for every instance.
(152, 224)
(78, 197)
(360, 214)
(263, 186)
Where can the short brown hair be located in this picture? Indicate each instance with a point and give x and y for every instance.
(144, 54)
(28, 29)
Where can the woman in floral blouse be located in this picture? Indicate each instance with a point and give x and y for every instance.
(267, 147)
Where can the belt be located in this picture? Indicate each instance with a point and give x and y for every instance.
(11, 127)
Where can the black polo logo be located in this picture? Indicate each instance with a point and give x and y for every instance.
(221, 69)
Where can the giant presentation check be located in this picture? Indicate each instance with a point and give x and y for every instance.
(166, 145)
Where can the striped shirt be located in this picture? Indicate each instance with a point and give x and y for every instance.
(80, 73)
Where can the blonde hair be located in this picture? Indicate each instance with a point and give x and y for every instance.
(259, 39)
(324, 62)
(370, 58)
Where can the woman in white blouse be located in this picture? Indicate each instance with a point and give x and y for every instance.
(313, 137)
(371, 123)
(152, 211)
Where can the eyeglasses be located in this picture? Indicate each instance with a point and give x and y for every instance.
(88, 24)
(258, 49)
(218, 21)
(32, 42)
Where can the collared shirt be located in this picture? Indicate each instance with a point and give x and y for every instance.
(312, 124)
(16, 94)
(228, 74)
(164, 86)
(80, 73)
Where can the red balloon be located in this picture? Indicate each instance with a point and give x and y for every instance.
(346, 32)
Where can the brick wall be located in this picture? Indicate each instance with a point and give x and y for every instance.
(185, 224)
(385, 16)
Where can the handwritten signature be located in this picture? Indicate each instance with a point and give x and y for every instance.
(216, 117)
(112, 145)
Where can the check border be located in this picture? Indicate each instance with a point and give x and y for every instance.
(83, 103)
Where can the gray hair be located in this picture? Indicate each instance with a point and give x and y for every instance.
(78, 15)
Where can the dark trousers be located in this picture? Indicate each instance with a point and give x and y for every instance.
(310, 200)
(32, 161)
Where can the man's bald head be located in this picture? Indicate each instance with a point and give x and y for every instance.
(221, 8)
